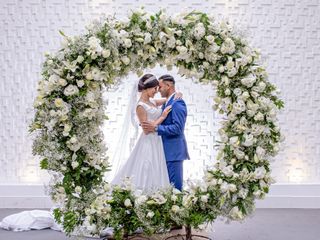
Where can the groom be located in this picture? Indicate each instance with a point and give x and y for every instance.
(172, 131)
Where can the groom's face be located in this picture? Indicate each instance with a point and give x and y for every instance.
(163, 89)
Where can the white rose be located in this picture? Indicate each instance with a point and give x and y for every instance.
(174, 198)
(147, 38)
(259, 117)
(237, 91)
(225, 80)
(125, 60)
(239, 154)
(127, 43)
(204, 198)
(171, 43)
(106, 53)
(230, 64)
(80, 59)
(62, 82)
(73, 140)
(150, 214)
(221, 69)
(182, 49)
(245, 95)
(249, 140)
(210, 39)
(249, 80)
(74, 164)
(227, 92)
(71, 90)
(235, 213)
(78, 189)
(175, 208)
(260, 173)
(58, 102)
(80, 83)
(127, 203)
(199, 31)
(232, 72)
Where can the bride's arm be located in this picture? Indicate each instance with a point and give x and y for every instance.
(142, 116)
(160, 101)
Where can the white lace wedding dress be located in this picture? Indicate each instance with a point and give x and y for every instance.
(146, 165)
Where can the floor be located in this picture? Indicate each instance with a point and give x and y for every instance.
(265, 224)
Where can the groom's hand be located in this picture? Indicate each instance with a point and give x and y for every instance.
(148, 127)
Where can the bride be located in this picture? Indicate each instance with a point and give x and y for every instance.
(146, 165)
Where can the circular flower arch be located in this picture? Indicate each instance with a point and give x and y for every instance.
(70, 112)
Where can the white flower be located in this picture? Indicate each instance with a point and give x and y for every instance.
(62, 82)
(221, 69)
(150, 214)
(127, 43)
(199, 31)
(80, 83)
(230, 64)
(127, 203)
(204, 198)
(260, 172)
(259, 117)
(147, 38)
(78, 189)
(249, 80)
(74, 164)
(232, 72)
(125, 60)
(106, 53)
(141, 200)
(228, 46)
(249, 140)
(175, 208)
(58, 102)
(239, 154)
(73, 140)
(174, 198)
(235, 213)
(210, 39)
(237, 91)
(80, 59)
(227, 171)
(171, 43)
(71, 90)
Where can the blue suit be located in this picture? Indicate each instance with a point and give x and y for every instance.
(174, 142)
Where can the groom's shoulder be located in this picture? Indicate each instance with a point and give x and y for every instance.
(179, 103)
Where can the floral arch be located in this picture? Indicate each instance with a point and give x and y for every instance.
(70, 111)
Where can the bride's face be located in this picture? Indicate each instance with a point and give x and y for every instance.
(152, 91)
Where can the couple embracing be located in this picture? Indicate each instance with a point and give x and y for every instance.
(156, 160)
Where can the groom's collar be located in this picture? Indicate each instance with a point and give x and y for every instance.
(169, 98)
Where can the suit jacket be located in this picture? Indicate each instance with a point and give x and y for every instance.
(172, 131)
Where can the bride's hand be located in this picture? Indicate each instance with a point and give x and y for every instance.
(166, 111)
(178, 95)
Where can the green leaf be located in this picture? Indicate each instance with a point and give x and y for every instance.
(44, 163)
(62, 33)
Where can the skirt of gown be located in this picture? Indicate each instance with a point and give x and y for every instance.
(146, 165)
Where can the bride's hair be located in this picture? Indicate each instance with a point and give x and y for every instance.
(147, 81)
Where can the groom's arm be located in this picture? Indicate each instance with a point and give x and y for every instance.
(179, 115)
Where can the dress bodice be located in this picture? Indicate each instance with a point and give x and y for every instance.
(153, 112)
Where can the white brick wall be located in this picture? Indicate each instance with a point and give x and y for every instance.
(286, 31)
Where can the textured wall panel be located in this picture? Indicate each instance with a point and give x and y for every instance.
(287, 32)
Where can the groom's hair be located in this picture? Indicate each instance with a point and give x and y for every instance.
(167, 78)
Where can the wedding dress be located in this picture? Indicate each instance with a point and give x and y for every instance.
(146, 165)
